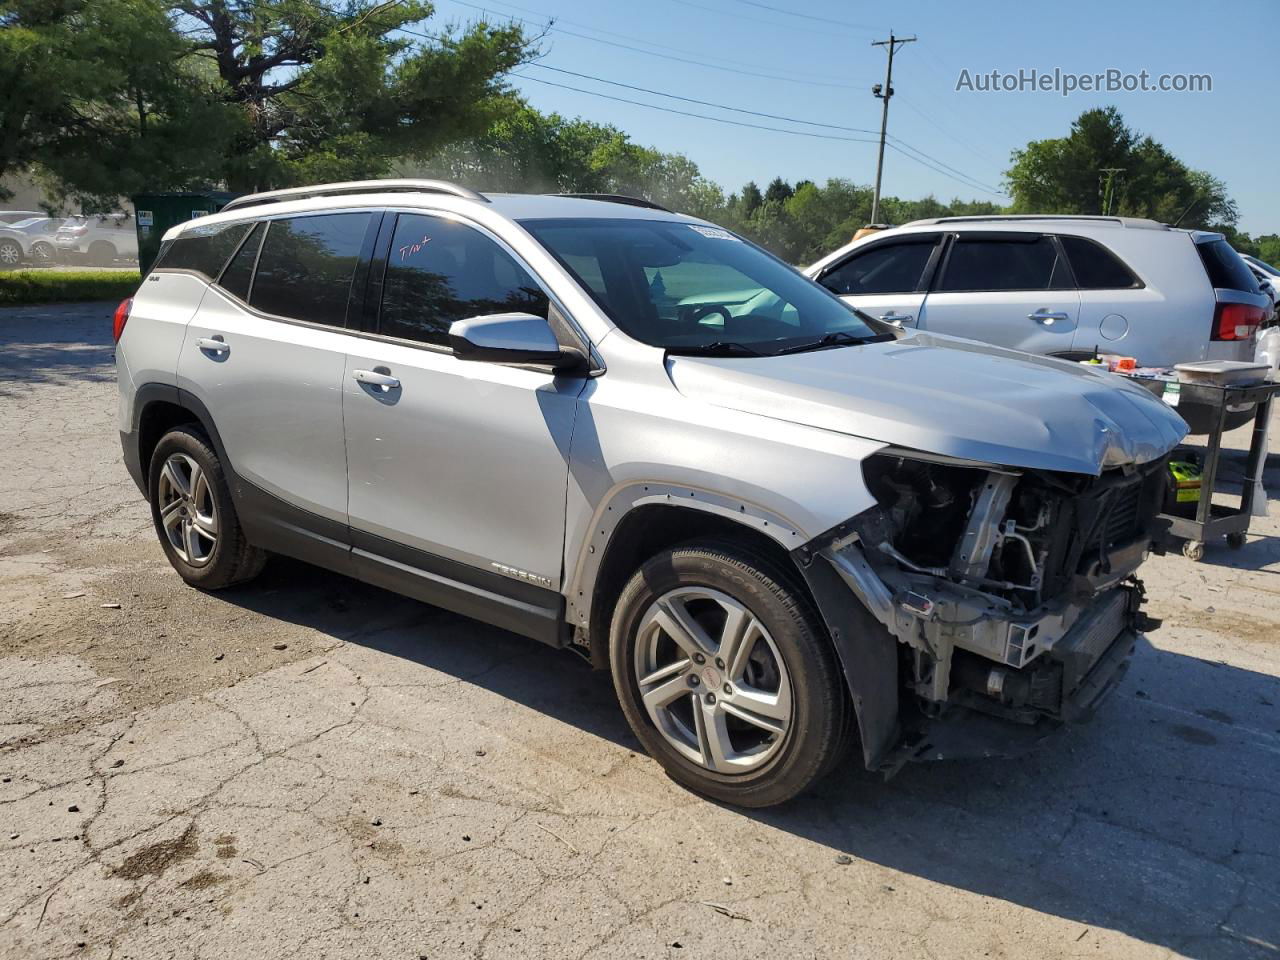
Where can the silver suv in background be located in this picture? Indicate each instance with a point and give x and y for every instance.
(98, 239)
(784, 527)
(1063, 286)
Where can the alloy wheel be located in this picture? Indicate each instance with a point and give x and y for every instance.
(188, 513)
(10, 254)
(712, 680)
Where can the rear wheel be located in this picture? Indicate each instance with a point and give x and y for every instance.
(101, 253)
(10, 255)
(42, 254)
(194, 516)
(726, 676)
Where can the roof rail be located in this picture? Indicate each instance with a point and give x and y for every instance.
(355, 186)
(614, 198)
(1138, 222)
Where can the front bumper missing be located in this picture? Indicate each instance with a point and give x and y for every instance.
(991, 683)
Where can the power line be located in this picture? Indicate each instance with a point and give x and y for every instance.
(720, 11)
(698, 116)
(698, 60)
(703, 103)
(807, 16)
(948, 134)
(923, 159)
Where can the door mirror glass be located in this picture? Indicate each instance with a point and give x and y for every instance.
(510, 338)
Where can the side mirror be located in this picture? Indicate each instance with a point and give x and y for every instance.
(510, 338)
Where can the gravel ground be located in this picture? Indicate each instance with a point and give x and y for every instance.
(310, 767)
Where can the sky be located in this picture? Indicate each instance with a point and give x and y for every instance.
(814, 62)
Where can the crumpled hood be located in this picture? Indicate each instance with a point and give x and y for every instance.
(948, 396)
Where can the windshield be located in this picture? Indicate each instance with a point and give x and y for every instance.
(694, 288)
(21, 224)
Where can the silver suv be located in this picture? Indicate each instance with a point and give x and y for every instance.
(784, 526)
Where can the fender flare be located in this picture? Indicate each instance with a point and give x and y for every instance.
(620, 503)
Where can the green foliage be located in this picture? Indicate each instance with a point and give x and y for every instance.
(1070, 175)
(65, 286)
(105, 98)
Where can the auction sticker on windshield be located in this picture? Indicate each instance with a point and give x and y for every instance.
(715, 233)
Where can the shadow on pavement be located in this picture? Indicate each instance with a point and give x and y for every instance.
(1157, 820)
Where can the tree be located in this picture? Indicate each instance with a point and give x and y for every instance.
(778, 191)
(1102, 158)
(750, 199)
(325, 94)
(86, 81)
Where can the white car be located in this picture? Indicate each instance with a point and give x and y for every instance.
(29, 241)
(1268, 277)
(1064, 286)
(97, 239)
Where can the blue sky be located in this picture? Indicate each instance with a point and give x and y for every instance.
(821, 66)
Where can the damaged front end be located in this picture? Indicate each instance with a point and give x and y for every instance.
(1010, 594)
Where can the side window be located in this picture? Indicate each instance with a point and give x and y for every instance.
(883, 268)
(1096, 267)
(235, 279)
(439, 271)
(1028, 262)
(203, 249)
(306, 266)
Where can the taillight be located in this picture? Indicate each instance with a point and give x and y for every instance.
(1236, 321)
(121, 318)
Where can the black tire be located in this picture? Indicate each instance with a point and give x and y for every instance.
(101, 253)
(819, 719)
(232, 559)
(43, 254)
(11, 256)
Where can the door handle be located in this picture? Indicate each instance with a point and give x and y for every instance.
(1048, 317)
(214, 344)
(376, 379)
(898, 319)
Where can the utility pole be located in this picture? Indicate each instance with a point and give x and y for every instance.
(1107, 178)
(884, 93)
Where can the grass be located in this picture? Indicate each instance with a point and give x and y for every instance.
(23, 287)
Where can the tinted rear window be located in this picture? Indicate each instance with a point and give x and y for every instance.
(204, 249)
(999, 264)
(306, 266)
(1096, 267)
(1226, 269)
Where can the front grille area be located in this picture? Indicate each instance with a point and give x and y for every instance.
(1125, 519)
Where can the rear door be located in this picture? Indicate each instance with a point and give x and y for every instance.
(887, 278)
(266, 353)
(1012, 289)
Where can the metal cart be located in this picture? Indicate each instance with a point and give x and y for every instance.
(1214, 520)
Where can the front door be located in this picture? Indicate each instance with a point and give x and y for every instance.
(887, 278)
(457, 469)
(1009, 289)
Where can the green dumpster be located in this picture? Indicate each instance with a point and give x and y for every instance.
(155, 213)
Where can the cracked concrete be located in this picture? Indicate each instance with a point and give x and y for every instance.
(399, 782)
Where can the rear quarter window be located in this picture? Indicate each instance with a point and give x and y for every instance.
(1226, 268)
(1097, 268)
(204, 249)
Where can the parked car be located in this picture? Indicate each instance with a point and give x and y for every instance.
(29, 241)
(97, 239)
(13, 216)
(1060, 286)
(631, 433)
(1268, 278)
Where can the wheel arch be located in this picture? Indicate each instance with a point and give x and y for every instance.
(158, 409)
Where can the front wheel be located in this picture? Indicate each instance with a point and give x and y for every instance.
(726, 676)
(10, 255)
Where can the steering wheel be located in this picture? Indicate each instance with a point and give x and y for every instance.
(696, 314)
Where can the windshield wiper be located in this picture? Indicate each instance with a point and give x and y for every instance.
(718, 348)
(837, 338)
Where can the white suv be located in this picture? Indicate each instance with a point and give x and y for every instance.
(97, 239)
(1057, 285)
(783, 526)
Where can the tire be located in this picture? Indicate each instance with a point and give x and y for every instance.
(43, 254)
(10, 255)
(101, 253)
(785, 674)
(194, 516)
